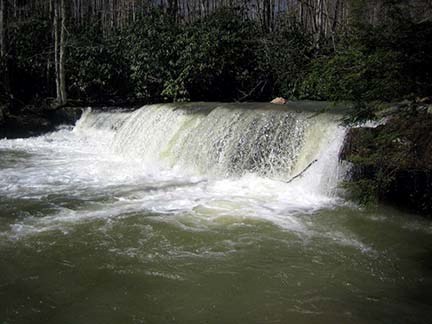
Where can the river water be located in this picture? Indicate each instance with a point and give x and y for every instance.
(201, 214)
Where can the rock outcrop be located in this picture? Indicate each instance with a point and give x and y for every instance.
(394, 161)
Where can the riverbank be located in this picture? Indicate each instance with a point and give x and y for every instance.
(18, 120)
(392, 162)
(33, 121)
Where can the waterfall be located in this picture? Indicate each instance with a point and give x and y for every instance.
(228, 140)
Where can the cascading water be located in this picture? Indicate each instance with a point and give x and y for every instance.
(200, 213)
(225, 142)
(265, 162)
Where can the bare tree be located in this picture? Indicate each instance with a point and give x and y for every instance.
(3, 15)
(3, 48)
(59, 26)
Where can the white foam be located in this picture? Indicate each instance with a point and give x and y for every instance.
(91, 163)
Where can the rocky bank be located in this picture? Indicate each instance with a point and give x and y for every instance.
(392, 162)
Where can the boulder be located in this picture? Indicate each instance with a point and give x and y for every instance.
(279, 101)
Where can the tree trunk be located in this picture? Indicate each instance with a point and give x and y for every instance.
(56, 48)
(2, 30)
(335, 17)
(62, 76)
(59, 50)
(172, 9)
(4, 66)
(300, 14)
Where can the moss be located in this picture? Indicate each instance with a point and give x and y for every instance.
(363, 191)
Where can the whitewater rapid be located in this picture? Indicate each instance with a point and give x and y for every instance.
(194, 167)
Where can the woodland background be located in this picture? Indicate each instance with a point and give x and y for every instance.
(226, 50)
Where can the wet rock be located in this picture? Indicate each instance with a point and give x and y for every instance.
(395, 160)
(15, 126)
(424, 100)
(65, 115)
(32, 120)
(390, 111)
(422, 109)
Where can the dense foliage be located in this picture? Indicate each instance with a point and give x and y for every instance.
(29, 72)
(226, 56)
(382, 64)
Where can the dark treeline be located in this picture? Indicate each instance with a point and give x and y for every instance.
(214, 49)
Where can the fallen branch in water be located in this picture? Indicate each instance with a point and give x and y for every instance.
(301, 173)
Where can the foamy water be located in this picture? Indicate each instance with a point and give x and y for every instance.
(86, 163)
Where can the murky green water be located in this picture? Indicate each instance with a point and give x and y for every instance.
(146, 268)
(89, 237)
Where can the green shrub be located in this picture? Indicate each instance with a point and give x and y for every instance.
(29, 71)
(149, 48)
(95, 67)
(217, 59)
(354, 74)
(285, 54)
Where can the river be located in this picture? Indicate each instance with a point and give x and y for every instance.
(201, 213)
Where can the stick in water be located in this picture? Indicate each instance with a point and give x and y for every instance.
(301, 173)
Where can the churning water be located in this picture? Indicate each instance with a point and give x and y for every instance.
(202, 213)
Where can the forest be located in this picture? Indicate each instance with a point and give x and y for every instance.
(225, 50)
